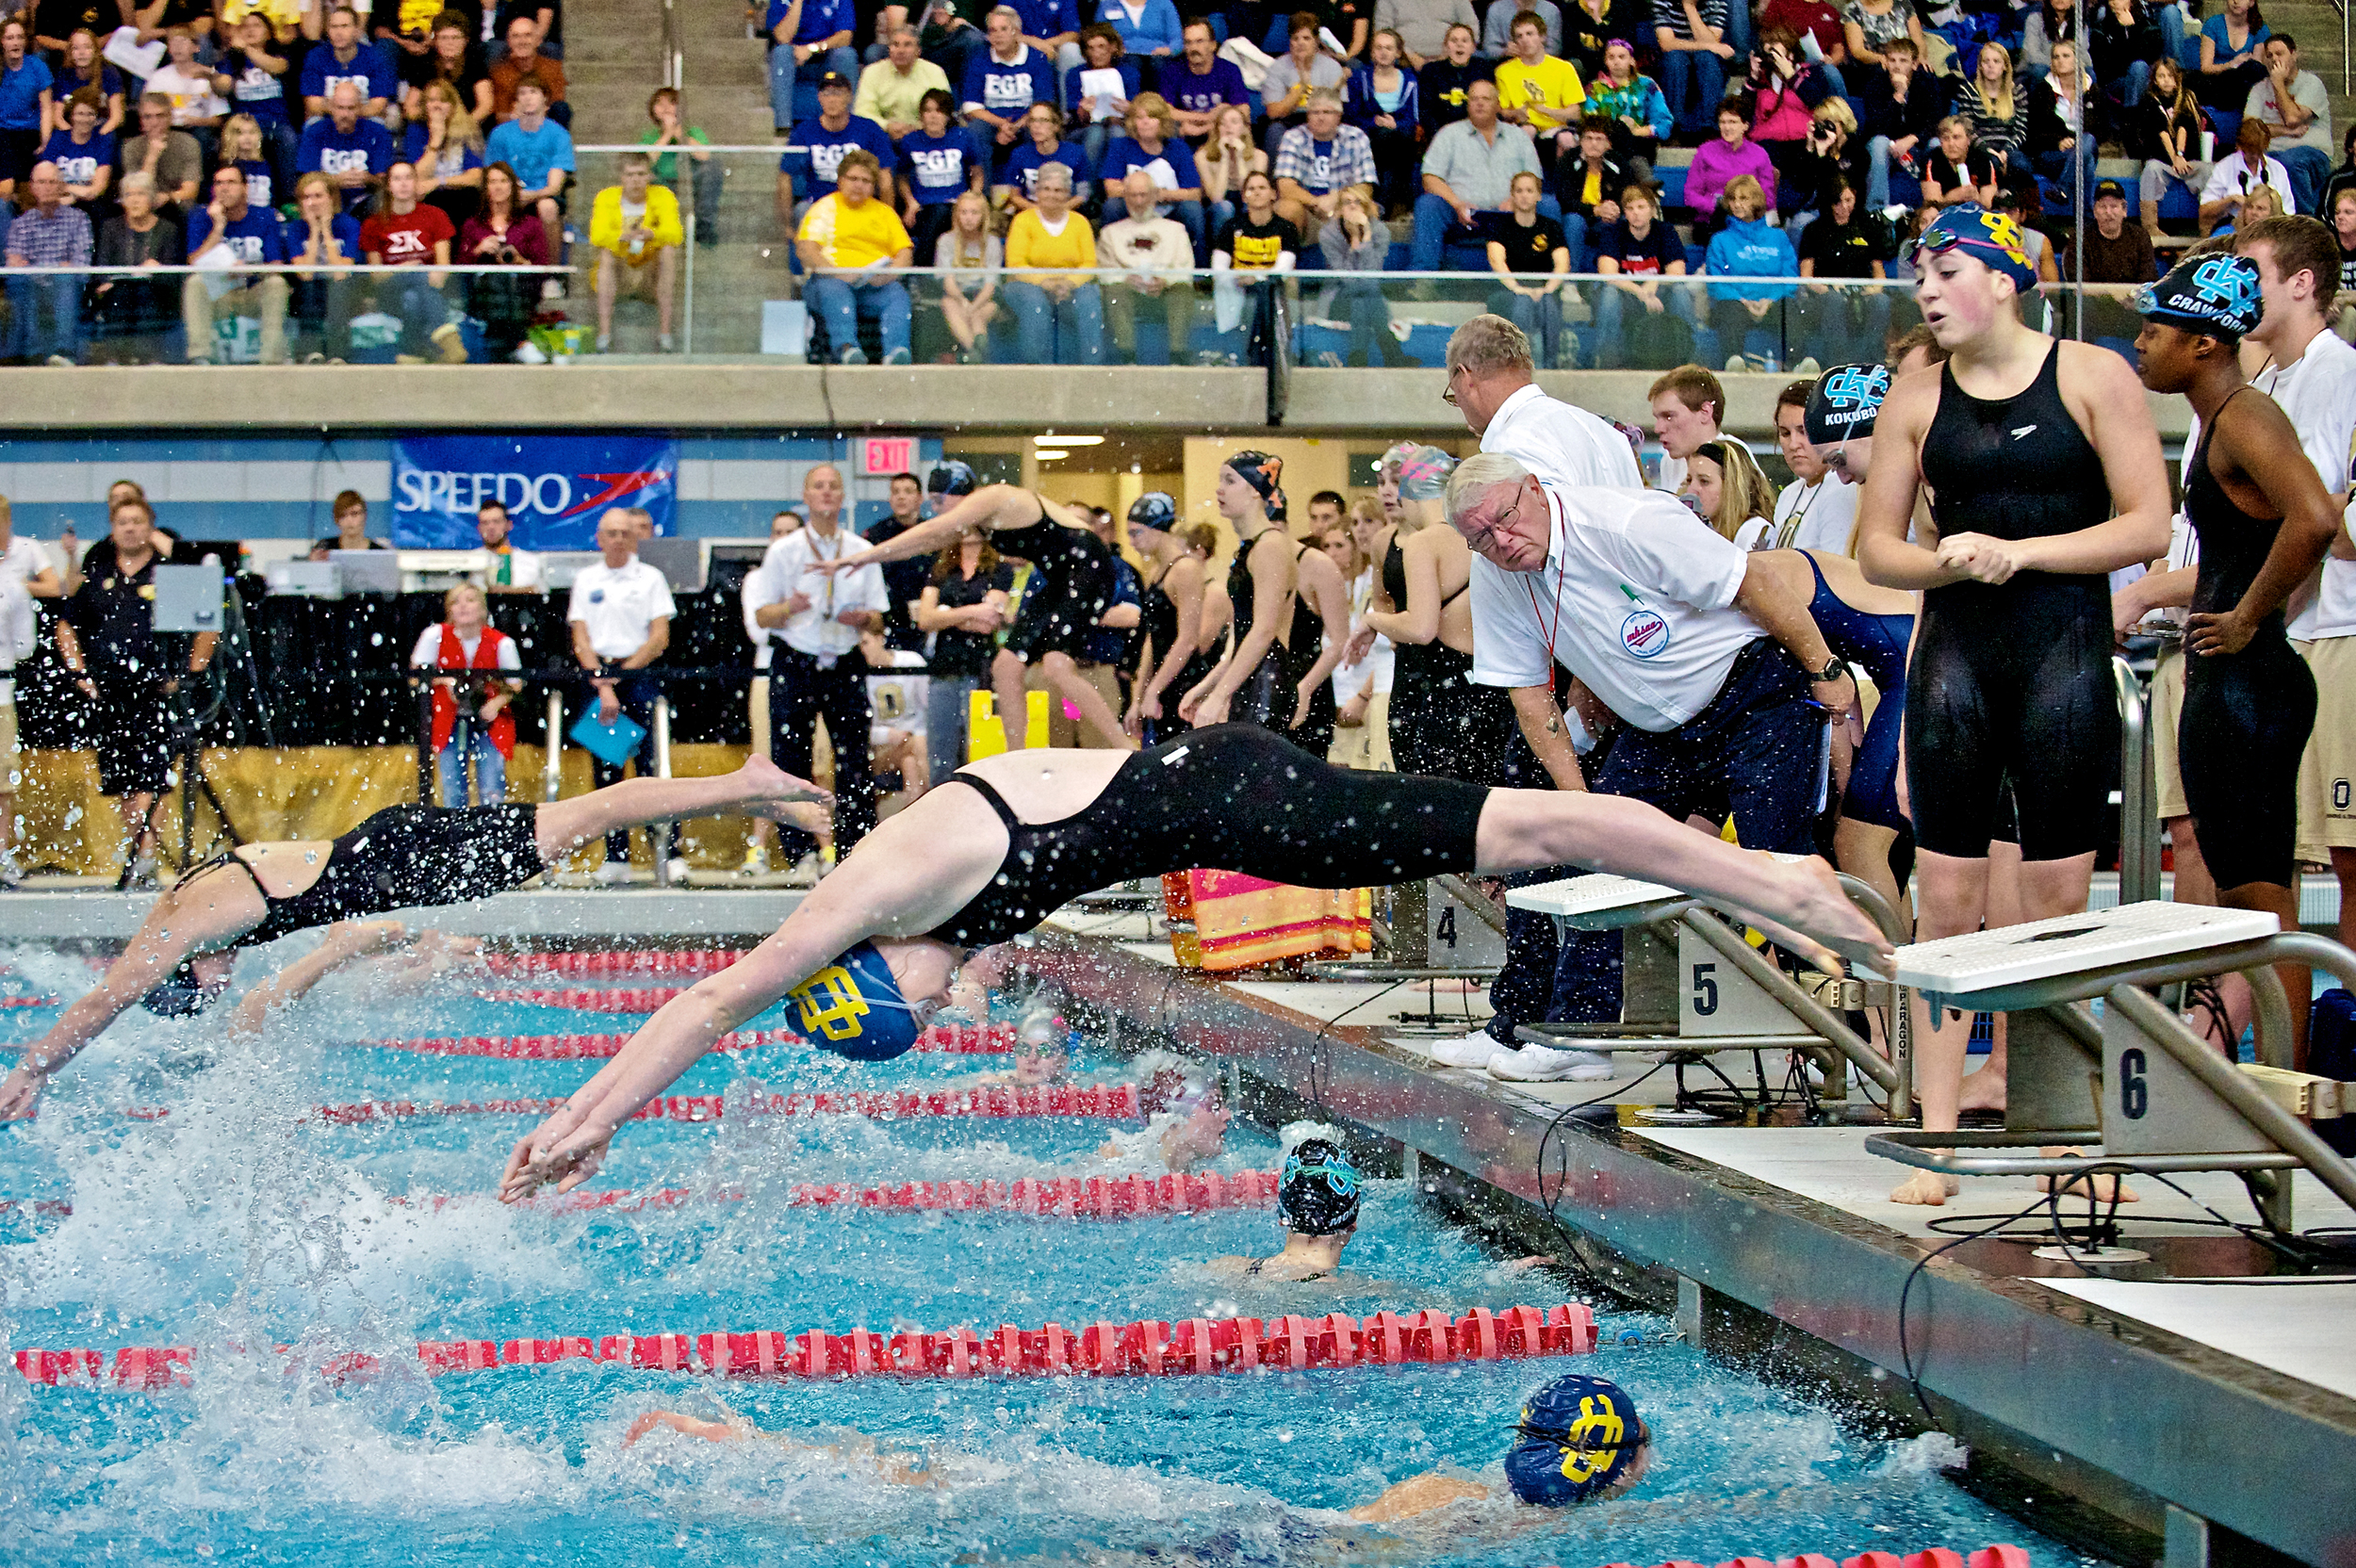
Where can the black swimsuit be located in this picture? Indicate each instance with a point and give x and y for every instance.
(1256, 701)
(1158, 620)
(2013, 679)
(1230, 797)
(405, 856)
(1316, 732)
(2247, 715)
(1441, 722)
(1072, 584)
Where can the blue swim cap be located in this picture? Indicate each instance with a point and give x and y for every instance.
(1316, 1194)
(1844, 403)
(853, 1008)
(1156, 510)
(950, 477)
(1577, 1439)
(1989, 237)
(2215, 294)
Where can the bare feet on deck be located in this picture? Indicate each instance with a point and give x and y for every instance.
(1928, 1189)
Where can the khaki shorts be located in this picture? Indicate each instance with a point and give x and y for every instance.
(1367, 748)
(756, 704)
(2167, 709)
(2327, 775)
(11, 759)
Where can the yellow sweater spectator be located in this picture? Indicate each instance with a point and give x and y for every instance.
(1030, 244)
(1549, 90)
(853, 236)
(661, 221)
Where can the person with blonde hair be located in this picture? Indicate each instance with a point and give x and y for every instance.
(1226, 160)
(459, 649)
(1154, 146)
(1063, 305)
(445, 143)
(1727, 489)
(967, 258)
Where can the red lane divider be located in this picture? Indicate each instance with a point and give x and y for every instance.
(697, 962)
(1045, 1198)
(40, 1206)
(1938, 1557)
(27, 1000)
(959, 1039)
(1086, 1101)
(1195, 1346)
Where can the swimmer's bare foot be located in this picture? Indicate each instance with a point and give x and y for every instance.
(2102, 1187)
(777, 788)
(1927, 1189)
(1983, 1090)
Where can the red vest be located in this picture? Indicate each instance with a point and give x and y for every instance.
(451, 656)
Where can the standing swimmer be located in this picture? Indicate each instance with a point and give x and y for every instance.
(2265, 523)
(2046, 474)
(1249, 681)
(1171, 616)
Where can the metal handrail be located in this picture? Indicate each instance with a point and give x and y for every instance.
(2138, 791)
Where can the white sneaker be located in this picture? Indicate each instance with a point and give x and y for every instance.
(1472, 1051)
(530, 353)
(614, 872)
(804, 872)
(1540, 1063)
(678, 871)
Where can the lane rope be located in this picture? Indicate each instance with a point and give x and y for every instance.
(1938, 1557)
(1087, 1102)
(695, 962)
(1191, 1346)
(963, 1039)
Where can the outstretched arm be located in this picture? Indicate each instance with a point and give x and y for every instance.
(990, 507)
(347, 940)
(208, 913)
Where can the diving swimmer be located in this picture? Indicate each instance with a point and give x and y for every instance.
(872, 952)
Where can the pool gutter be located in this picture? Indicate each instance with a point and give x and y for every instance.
(2125, 1421)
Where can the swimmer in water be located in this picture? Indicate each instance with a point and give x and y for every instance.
(401, 856)
(1579, 1440)
(873, 952)
(1317, 1199)
(1190, 1132)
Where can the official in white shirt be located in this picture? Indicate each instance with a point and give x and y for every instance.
(621, 614)
(1720, 680)
(513, 571)
(814, 619)
(1817, 511)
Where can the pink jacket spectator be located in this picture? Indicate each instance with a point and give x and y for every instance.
(1716, 165)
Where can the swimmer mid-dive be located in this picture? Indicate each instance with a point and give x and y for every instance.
(872, 952)
(402, 857)
(1579, 1440)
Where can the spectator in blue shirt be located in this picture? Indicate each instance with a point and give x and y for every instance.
(85, 155)
(807, 40)
(1198, 84)
(347, 58)
(246, 234)
(1152, 145)
(253, 79)
(27, 91)
(1746, 247)
(1097, 117)
(352, 152)
(1018, 181)
(940, 162)
(1154, 30)
(1053, 28)
(1003, 81)
(540, 152)
(808, 172)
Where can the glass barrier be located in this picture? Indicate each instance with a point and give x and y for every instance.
(731, 286)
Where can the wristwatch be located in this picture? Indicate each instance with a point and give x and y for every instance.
(1834, 667)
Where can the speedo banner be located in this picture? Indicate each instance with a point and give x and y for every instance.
(555, 487)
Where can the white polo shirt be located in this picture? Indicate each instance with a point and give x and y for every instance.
(788, 569)
(620, 607)
(1558, 441)
(20, 563)
(1636, 599)
(1820, 518)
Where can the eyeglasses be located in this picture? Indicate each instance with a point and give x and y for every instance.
(1480, 537)
(1447, 393)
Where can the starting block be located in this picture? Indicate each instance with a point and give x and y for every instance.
(1691, 985)
(2156, 1096)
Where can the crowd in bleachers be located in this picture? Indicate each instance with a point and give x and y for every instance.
(1642, 139)
(209, 133)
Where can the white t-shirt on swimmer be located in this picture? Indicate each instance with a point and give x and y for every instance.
(2317, 393)
(1636, 599)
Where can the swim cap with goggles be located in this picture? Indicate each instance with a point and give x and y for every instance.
(1156, 510)
(1423, 473)
(950, 477)
(853, 1008)
(1388, 464)
(1987, 237)
(1578, 1438)
(2217, 295)
(1316, 1194)
(1260, 470)
(1844, 403)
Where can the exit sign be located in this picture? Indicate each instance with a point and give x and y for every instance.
(888, 455)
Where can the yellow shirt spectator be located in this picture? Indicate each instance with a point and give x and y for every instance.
(1549, 90)
(1030, 243)
(286, 15)
(661, 221)
(853, 236)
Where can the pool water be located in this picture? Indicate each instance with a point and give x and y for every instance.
(229, 1223)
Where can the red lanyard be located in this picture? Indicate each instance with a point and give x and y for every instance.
(1552, 629)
